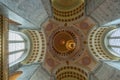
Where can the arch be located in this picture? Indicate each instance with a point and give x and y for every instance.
(97, 44)
(71, 73)
(38, 48)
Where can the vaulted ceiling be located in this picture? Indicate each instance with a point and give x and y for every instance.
(66, 27)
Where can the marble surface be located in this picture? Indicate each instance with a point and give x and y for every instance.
(40, 74)
(107, 71)
(106, 12)
(28, 71)
(30, 10)
(33, 72)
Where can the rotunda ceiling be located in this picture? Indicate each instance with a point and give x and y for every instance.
(67, 45)
(63, 42)
(66, 35)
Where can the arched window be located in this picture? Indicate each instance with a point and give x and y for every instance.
(17, 46)
(113, 42)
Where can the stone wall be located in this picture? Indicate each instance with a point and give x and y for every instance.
(40, 74)
(30, 10)
(47, 6)
(105, 12)
(107, 71)
(33, 72)
(91, 5)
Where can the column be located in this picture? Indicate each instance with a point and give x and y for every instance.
(3, 48)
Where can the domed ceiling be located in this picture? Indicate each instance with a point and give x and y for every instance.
(67, 10)
(67, 50)
(65, 5)
(67, 55)
(64, 43)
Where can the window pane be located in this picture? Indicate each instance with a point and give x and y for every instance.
(14, 36)
(115, 42)
(16, 46)
(117, 50)
(116, 33)
(14, 57)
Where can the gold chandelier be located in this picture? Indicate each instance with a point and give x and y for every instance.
(70, 45)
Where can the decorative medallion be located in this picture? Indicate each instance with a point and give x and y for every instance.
(66, 43)
(50, 62)
(49, 27)
(84, 25)
(86, 60)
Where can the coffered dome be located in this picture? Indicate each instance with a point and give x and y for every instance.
(66, 4)
(67, 10)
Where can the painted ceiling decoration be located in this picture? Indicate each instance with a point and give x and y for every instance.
(65, 42)
(67, 47)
